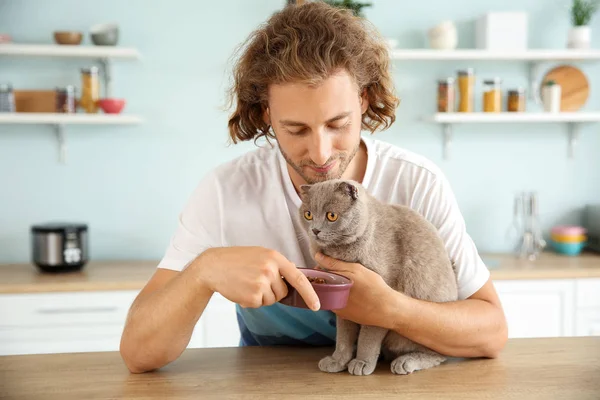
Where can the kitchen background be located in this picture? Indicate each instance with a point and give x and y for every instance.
(129, 183)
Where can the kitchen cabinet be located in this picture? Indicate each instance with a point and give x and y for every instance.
(551, 307)
(89, 321)
(38, 323)
(535, 308)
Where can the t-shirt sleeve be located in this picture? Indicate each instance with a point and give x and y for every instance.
(198, 226)
(440, 207)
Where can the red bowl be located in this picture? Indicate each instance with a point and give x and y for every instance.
(111, 106)
(333, 294)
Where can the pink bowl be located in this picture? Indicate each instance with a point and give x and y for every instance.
(333, 294)
(568, 230)
(111, 106)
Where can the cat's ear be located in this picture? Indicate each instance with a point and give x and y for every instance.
(304, 190)
(349, 189)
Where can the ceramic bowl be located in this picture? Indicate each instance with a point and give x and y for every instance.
(568, 238)
(568, 230)
(111, 105)
(68, 37)
(569, 249)
(333, 294)
(105, 34)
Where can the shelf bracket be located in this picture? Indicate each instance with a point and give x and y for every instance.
(107, 74)
(573, 138)
(535, 68)
(447, 132)
(59, 129)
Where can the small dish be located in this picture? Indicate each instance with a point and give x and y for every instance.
(111, 105)
(333, 294)
(68, 37)
(105, 34)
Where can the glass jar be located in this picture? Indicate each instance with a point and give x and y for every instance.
(516, 100)
(466, 87)
(492, 95)
(90, 90)
(65, 99)
(7, 98)
(446, 97)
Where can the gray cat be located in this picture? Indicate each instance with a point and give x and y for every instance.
(343, 221)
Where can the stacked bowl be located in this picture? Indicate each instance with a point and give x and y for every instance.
(568, 239)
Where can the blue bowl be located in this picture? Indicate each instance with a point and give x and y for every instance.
(570, 249)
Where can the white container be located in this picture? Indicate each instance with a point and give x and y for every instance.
(502, 31)
(579, 37)
(443, 36)
(551, 98)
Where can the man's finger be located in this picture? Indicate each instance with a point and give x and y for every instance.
(300, 282)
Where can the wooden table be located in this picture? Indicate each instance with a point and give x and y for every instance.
(553, 368)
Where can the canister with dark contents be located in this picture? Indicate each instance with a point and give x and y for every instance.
(65, 99)
(516, 100)
(446, 97)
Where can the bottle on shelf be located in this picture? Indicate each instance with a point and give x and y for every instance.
(492, 95)
(466, 87)
(90, 90)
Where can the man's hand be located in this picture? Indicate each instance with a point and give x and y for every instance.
(252, 276)
(370, 297)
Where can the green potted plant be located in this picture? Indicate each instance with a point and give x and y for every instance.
(355, 6)
(581, 14)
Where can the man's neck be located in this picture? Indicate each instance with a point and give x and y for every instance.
(355, 170)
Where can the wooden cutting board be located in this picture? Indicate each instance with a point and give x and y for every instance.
(35, 101)
(574, 85)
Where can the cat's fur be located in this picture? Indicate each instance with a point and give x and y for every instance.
(392, 240)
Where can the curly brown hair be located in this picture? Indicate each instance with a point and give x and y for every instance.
(307, 43)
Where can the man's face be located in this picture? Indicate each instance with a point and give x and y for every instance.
(317, 127)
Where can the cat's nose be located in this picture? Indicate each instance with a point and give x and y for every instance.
(316, 231)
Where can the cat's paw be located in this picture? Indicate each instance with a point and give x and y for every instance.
(361, 367)
(330, 364)
(411, 362)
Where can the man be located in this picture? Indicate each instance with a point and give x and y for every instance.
(308, 81)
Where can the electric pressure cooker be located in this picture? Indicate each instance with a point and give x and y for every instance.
(59, 247)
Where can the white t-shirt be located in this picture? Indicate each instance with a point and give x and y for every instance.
(251, 201)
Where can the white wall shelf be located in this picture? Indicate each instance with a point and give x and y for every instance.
(487, 55)
(58, 122)
(534, 57)
(68, 119)
(104, 55)
(572, 119)
(55, 50)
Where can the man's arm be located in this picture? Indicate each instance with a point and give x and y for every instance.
(474, 327)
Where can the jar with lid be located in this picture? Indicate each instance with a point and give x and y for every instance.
(7, 98)
(90, 90)
(466, 87)
(446, 97)
(516, 100)
(492, 95)
(65, 99)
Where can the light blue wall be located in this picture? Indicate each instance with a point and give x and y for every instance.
(129, 183)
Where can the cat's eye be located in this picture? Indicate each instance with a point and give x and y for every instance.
(308, 215)
(332, 216)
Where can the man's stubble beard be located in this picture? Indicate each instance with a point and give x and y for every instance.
(343, 163)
